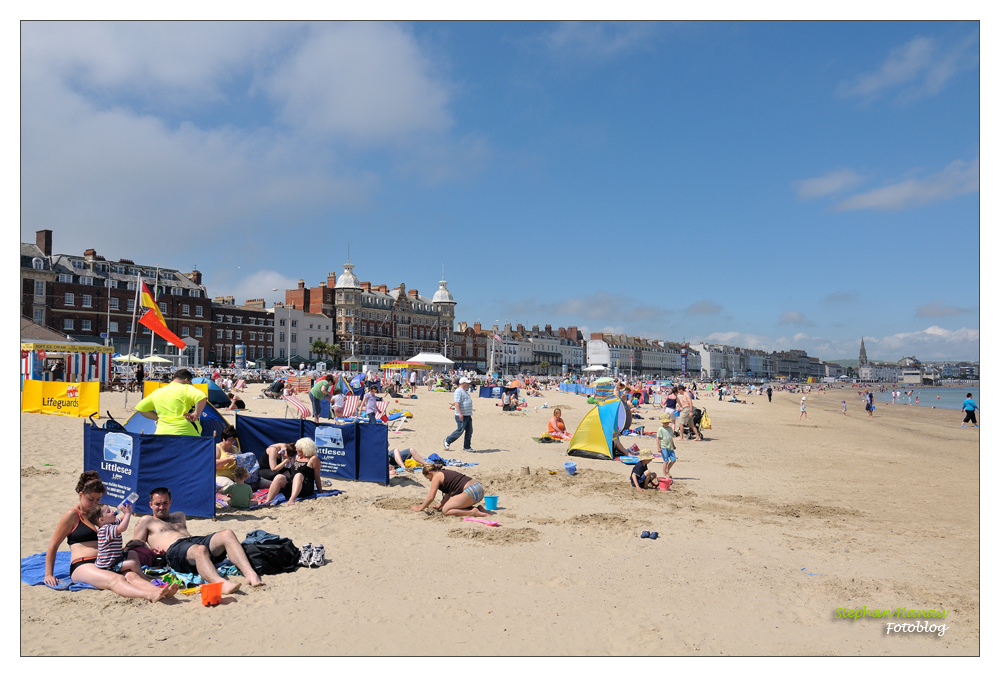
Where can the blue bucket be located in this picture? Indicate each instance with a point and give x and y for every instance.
(491, 502)
(570, 468)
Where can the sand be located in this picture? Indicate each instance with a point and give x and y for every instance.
(884, 512)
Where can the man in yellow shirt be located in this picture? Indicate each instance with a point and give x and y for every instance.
(170, 406)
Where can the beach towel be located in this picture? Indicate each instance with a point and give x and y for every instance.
(280, 498)
(33, 570)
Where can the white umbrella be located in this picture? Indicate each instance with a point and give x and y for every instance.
(126, 358)
(595, 367)
(155, 359)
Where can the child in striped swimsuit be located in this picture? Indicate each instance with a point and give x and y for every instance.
(109, 539)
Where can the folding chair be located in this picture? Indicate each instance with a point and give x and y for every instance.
(351, 403)
(298, 404)
(397, 420)
(240, 386)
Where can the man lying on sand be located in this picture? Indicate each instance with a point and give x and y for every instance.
(167, 533)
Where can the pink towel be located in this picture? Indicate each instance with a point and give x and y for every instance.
(482, 521)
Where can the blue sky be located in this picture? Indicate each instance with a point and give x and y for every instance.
(775, 185)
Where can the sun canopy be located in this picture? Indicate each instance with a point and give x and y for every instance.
(431, 358)
(155, 359)
(595, 367)
(126, 358)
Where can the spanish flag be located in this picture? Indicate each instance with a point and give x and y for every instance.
(153, 319)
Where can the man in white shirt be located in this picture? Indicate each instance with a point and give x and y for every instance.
(463, 415)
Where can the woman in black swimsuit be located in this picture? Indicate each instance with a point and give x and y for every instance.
(459, 493)
(82, 539)
(298, 475)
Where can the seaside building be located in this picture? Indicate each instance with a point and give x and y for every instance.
(371, 322)
(294, 331)
(92, 299)
(249, 325)
(730, 362)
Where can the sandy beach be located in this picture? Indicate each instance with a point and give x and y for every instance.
(772, 525)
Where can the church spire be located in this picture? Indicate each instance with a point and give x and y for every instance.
(862, 356)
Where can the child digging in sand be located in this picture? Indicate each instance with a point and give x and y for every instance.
(665, 436)
(239, 493)
(640, 478)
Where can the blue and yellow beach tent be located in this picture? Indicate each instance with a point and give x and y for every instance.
(212, 423)
(594, 437)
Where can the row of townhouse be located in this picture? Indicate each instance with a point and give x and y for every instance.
(515, 349)
(93, 299)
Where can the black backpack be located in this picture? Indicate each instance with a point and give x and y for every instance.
(278, 557)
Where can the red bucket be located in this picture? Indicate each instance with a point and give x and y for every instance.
(665, 483)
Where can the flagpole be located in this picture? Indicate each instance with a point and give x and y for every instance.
(135, 308)
(156, 284)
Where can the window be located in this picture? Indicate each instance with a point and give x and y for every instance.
(114, 303)
(65, 278)
(270, 323)
(37, 263)
(145, 330)
(39, 315)
(39, 288)
(270, 337)
(118, 269)
(87, 301)
(229, 318)
(113, 328)
(128, 328)
(89, 281)
(130, 286)
(239, 336)
(340, 312)
(195, 293)
(85, 325)
(310, 325)
(270, 351)
(130, 305)
(78, 264)
(163, 306)
(111, 284)
(218, 333)
(68, 300)
(197, 332)
(229, 333)
(253, 336)
(185, 309)
(281, 337)
(238, 320)
(293, 338)
(176, 291)
(68, 325)
(281, 323)
(199, 311)
(295, 323)
(185, 331)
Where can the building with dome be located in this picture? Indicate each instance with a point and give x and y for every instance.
(376, 324)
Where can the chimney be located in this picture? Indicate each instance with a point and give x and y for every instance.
(230, 300)
(548, 329)
(89, 254)
(367, 286)
(562, 333)
(383, 288)
(257, 304)
(195, 276)
(302, 284)
(331, 279)
(43, 240)
(414, 293)
(322, 284)
(520, 328)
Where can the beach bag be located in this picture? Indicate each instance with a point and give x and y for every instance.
(274, 557)
(706, 422)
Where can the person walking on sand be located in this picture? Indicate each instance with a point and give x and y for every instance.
(802, 409)
(463, 415)
(769, 392)
(685, 408)
(969, 406)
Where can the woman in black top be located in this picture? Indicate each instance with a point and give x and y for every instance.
(460, 493)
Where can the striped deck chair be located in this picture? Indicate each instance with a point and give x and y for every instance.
(240, 386)
(351, 404)
(296, 404)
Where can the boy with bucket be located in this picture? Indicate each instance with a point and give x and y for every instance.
(640, 478)
(665, 437)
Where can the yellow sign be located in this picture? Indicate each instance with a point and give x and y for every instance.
(61, 399)
(152, 386)
(67, 347)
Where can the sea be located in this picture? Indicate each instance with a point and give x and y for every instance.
(941, 398)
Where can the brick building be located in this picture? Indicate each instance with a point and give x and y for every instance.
(85, 296)
(250, 325)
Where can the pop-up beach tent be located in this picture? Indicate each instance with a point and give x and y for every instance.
(594, 437)
(216, 395)
(212, 423)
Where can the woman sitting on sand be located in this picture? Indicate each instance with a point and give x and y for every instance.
(277, 455)
(460, 493)
(82, 539)
(300, 475)
(557, 428)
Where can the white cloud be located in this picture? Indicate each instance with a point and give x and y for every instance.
(958, 178)
(704, 307)
(917, 69)
(939, 309)
(793, 317)
(366, 82)
(598, 307)
(254, 286)
(598, 40)
(828, 184)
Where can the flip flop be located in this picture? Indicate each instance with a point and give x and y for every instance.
(653, 535)
(62, 584)
(644, 534)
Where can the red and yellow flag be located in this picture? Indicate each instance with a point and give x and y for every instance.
(153, 319)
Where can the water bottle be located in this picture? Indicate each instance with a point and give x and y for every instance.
(132, 498)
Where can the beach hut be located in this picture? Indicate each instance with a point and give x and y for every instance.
(594, 437)
(82, 361)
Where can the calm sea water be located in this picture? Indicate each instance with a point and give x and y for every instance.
(950, 398)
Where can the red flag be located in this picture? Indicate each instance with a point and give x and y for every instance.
(151, 319)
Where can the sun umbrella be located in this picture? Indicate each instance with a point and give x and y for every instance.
(126, 358)
(155, 359)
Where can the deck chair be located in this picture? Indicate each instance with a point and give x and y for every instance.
(296, 404)
(397, 420)
(240, 386)
(351, 404)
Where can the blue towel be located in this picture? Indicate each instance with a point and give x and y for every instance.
(33, 570)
